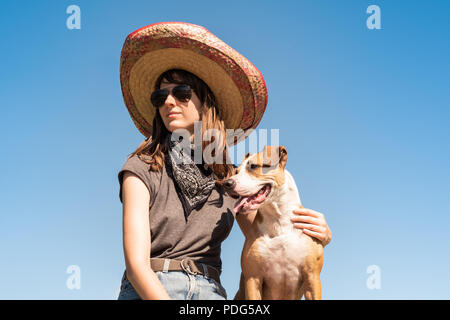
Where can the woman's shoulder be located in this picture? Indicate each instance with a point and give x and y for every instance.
(137, 161)
(139, 167)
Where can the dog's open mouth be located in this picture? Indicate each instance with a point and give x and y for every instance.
(252, 202)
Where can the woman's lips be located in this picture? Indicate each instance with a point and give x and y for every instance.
(173, 114)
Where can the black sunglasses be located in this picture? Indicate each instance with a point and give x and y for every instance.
(182, 92)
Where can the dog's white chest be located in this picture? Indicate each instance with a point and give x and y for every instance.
(284, 254)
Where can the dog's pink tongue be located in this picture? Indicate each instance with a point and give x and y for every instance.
(239, 204)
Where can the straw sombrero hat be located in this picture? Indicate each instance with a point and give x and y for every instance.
(239, 87)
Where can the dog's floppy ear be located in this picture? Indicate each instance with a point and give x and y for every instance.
(274, 156)
(282, 152)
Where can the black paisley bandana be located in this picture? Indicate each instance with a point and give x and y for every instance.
(194, 182)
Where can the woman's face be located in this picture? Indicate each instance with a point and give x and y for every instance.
(179, 115)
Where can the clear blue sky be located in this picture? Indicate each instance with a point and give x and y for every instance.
(364, 115)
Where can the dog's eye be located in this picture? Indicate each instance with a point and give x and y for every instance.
(254, 166)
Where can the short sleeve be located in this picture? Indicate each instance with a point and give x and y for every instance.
(150, 178)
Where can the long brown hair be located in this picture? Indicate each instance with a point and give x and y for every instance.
(152, 149)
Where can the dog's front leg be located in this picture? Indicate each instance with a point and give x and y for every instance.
(312, 287)
(253, 288)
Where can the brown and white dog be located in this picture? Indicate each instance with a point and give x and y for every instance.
(278, 261)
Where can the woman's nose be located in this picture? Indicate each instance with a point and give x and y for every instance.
(170, 100)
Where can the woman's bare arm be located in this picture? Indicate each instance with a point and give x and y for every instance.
(136, 239)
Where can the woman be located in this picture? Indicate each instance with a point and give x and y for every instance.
(177, 210)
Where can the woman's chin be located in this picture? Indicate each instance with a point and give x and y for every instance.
(175, 124)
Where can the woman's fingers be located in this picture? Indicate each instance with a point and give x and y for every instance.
(310, 227)
(316, 235)
(305, 219)
(308, 212)
(312, 223)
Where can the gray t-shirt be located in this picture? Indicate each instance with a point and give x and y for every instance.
(172, 236)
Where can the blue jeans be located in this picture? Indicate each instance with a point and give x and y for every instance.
(180, 286)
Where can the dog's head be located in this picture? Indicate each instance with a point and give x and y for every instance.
(257, 178)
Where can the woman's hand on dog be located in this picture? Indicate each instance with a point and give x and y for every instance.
(312, 223)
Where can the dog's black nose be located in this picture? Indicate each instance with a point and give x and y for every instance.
(229, 184)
